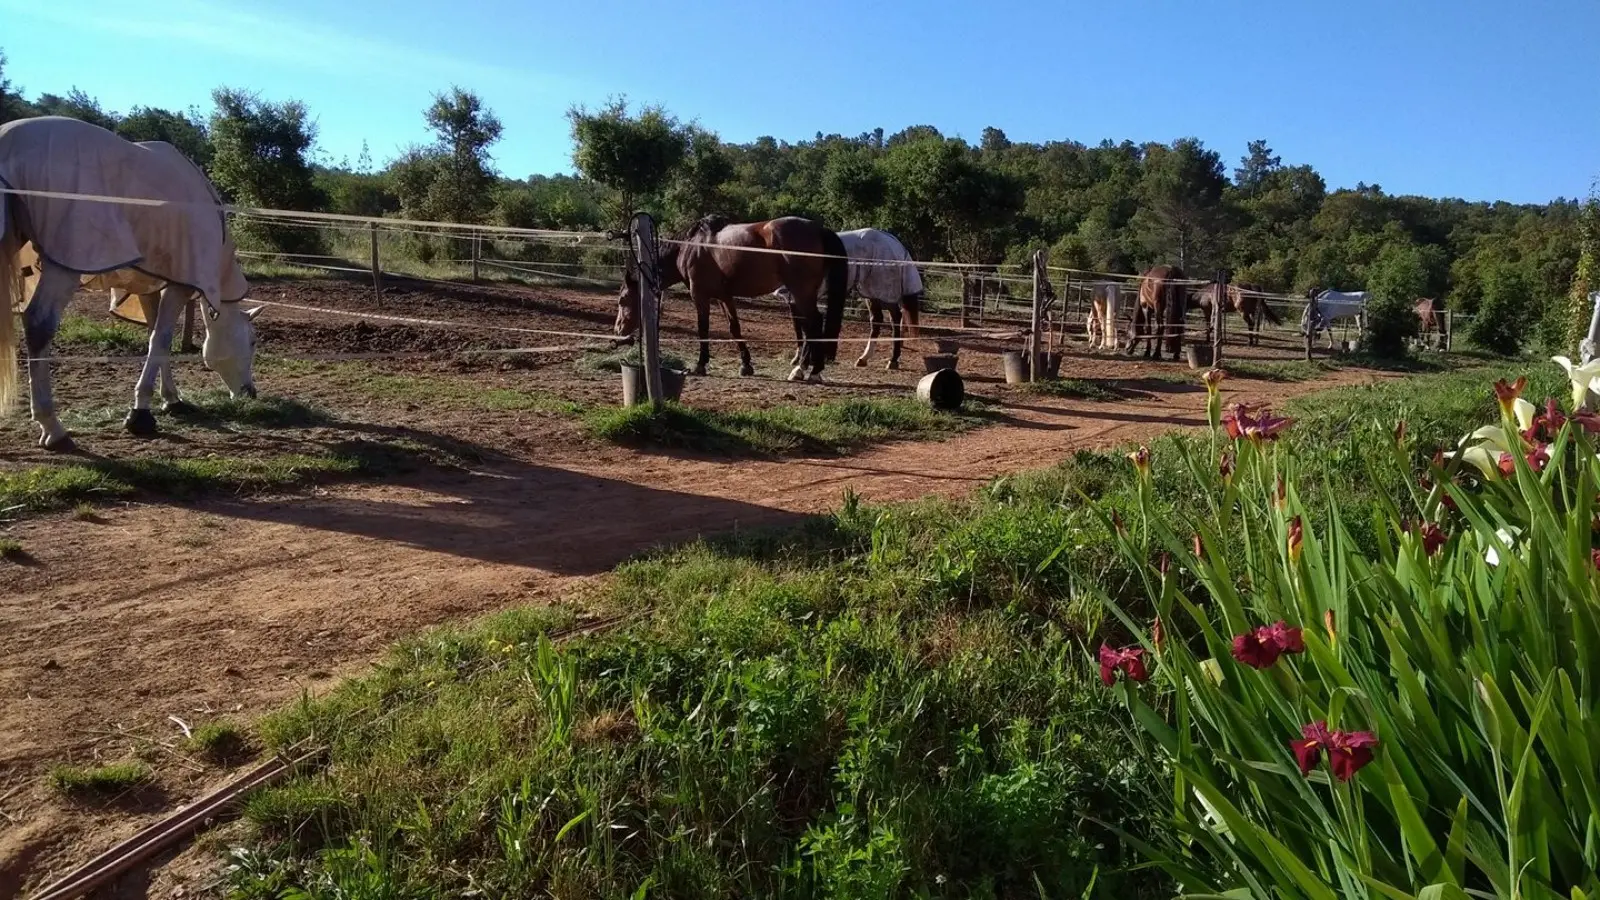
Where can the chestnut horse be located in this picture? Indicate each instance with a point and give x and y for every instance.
(1244, 299)
(1162, 297)
(1431, 318)
(719, 261)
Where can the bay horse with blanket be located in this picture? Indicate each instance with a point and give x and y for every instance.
(720, 261)
(882, 272)
(155, 227)
(1245, 299)
(1163, 298)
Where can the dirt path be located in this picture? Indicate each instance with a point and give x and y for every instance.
(232, 607)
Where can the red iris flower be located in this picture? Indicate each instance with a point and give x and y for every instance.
(1261, 648)
(1297, 536)
(1546, 425)
(1507, 394)
(1347, 751)
(1594, 557)
(1130, 660)
(1225, 464)
(1257, 424)
(1588, 420)
(1433, 537)
(1537, 458)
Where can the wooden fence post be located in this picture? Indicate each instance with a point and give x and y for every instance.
(1310, 317)
(188, 328)
(475, 252)
(377, 273)
(1040, 276)
(966, 299)
(1218, 313)
(648, 277)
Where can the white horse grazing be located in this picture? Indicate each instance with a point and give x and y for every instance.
(1327, 307)
(875, 276)
(1104, 301)
(171, 239)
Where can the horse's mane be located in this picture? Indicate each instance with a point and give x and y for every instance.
(707, 226)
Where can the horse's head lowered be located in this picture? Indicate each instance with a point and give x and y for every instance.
(230, 347)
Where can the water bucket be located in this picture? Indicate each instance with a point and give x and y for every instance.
(948, 345)
(1050, 365)
(635, 392)
(936, 361)
(942, 389)
(1199, 355)
(1016, 366)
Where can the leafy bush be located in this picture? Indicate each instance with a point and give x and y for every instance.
(1398, 279)
(1414, 722)
(1503, 315)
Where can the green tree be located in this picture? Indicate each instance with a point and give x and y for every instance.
(1399, 277)
(1181, 217)
(1502, 318)
(634, 155)
(186, 131)
(12, 106)
(259, 159)
(1258, 164)
(696, 186)
(1586, 277)
(77, 105)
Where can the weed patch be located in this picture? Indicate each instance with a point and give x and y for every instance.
(98, 781)
(827, 428)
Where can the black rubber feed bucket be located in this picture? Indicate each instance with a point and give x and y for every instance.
(634, 391)
(935, 362)
(943, 389)
(1199, 355)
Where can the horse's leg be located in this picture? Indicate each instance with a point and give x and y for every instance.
(171, 400)
(815, 354)
(877, 322)
(702, 324)
(39, 324)
(746, 368)
(894, 332)
(140, 421)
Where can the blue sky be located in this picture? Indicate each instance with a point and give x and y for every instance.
(1482, 99)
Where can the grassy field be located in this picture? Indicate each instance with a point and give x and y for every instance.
(889, 701)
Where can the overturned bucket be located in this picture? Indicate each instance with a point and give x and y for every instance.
(943, 389)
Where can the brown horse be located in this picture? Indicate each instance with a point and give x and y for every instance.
(1162, 297)
(720, 261)
(1430, 314)
(1244, 299)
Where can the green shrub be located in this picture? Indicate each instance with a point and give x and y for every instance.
(1503, 315)
(1398, 278)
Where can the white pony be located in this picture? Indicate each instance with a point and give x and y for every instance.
(1102, 320)
(1328, 306)
(882, 272)
(171, 239)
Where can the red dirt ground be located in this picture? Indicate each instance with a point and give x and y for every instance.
(151, 612)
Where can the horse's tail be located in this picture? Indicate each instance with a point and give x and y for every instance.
(10, 295)
(1266, 310)
(838, 285)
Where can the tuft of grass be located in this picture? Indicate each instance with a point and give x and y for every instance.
(597, 362)
(220, 741)
(439, 390)
(1074, 389)
(52, 487)
(1286, 371)
(85, 512)
(836, 427)
(217, 407)
(110, 338)
(98, 781)
(10, 548)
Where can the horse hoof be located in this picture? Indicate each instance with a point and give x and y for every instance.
(861, 363)
(140, 423)
(814, 378)
(797, 374)
(177, 408)
(746, 370)
(893, 366)
(57, 443)
(699, 372)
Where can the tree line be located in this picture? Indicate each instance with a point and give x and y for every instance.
(1520, 270)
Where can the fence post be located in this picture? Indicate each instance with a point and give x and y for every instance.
(377, 273)
(1219, 315)
(1035, 358)
(648, 277)
(1449, 329)
(1309, 326)
(475, 253)
(966, 299)
(188, 327)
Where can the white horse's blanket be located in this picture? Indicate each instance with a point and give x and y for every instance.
(1331, 305)
(185, 242)
(870, 278)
